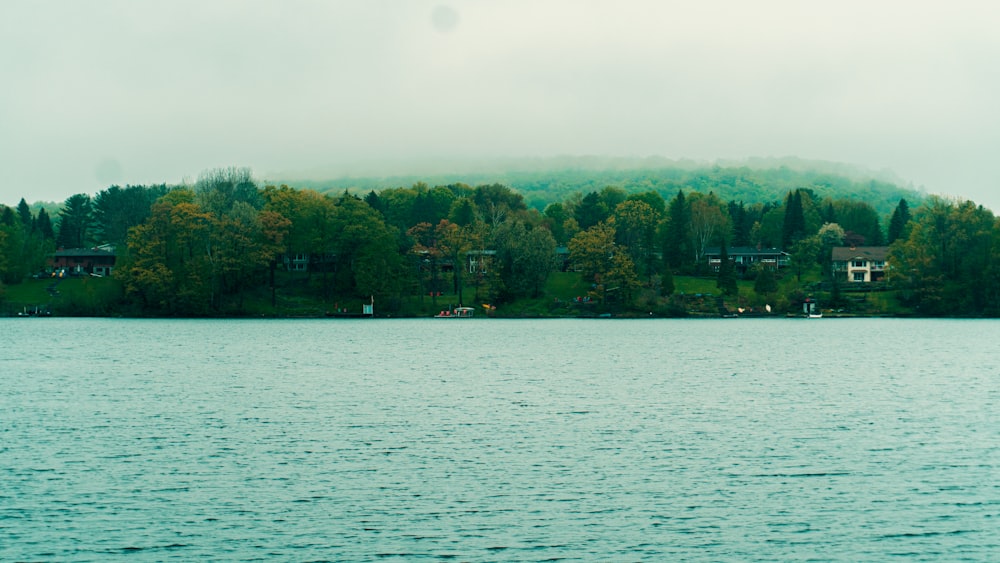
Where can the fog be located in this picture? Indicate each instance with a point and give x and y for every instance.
(104, 92)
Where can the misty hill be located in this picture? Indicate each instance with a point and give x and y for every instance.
(543, 181)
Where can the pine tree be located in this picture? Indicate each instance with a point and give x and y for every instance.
(676, 244)
(24, 212)
(726, 280)
(897, 224)
(794, 226)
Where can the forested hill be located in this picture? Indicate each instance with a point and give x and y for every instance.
(546, 181)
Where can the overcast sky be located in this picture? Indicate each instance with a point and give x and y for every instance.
(99, 92)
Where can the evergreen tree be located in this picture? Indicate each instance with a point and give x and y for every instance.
(75, 222)
(667, 283)
(591, 211)
(897, 224)
(45, 225)
(765, 283)
(676, 243)
(726, 280)
(24, 212)
(794, 226)
(375, 202)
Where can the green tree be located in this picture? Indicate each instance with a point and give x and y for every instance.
(45, 225)
(794, 226)
(24, 213)
(116, 210)
(167, 268)
(897, 223)
(75, 221)
(726, 279)
(591, 211)
(709, 224)
(677, 250)
(592, 250)
(218, 189)
(764, 283)
(635, 227)
(463, 212)
(525, 258)
(860, 218)
(804, 255)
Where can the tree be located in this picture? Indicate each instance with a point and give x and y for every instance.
(726, 279)
(898, 221)
(428, 257)
(949, 261)
(794, 226)
(764, 283)
(591, 211)
(45, 225)
(75, 222)
(463, 212)
(24, 213)
(830, 235)
(804, 254)
(116, 210)
(591, 251)
(635, 229)
(860, 218)
(167, 267)
(676, 242)
(525, 258)
(220, 188)
(368, 263)
(556, 216)
(709, 223)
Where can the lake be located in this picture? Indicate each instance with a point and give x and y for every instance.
(499, 440)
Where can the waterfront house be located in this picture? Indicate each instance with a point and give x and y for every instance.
(858, 264)
(98, 261)
(744, 257)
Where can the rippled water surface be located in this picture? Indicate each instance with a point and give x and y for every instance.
(739, 440)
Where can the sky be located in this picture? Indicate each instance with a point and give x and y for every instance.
(136, 92)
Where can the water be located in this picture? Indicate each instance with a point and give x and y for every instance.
(486, 440)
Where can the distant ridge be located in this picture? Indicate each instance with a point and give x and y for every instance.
(547, 180)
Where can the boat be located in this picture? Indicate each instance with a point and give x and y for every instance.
(456, 313)
(34, 312)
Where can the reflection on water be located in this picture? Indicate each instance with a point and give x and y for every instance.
(499, 440)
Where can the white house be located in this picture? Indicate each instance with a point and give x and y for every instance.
(860, 263)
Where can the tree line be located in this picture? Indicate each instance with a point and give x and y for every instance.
(201, 249)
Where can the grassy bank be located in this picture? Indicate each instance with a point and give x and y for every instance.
(566, 294)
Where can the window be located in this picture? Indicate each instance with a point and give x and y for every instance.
(858, 263)
(859, 276)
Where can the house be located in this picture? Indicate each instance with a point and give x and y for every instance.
(303, 262)
(478, 261)
(99, 261)
(856, 264)
(744, 257)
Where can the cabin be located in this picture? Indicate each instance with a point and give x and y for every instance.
(860, 264)
(98, 261)
(745, 257)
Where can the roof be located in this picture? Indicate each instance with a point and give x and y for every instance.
(83, 253)
(848, 253)
(744, 251)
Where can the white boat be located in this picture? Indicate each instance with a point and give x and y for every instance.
(456, 313)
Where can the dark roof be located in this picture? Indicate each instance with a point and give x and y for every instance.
(82, 253)
(848, 253)
(744, 251)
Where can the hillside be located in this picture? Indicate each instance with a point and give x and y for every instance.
(544, 181)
